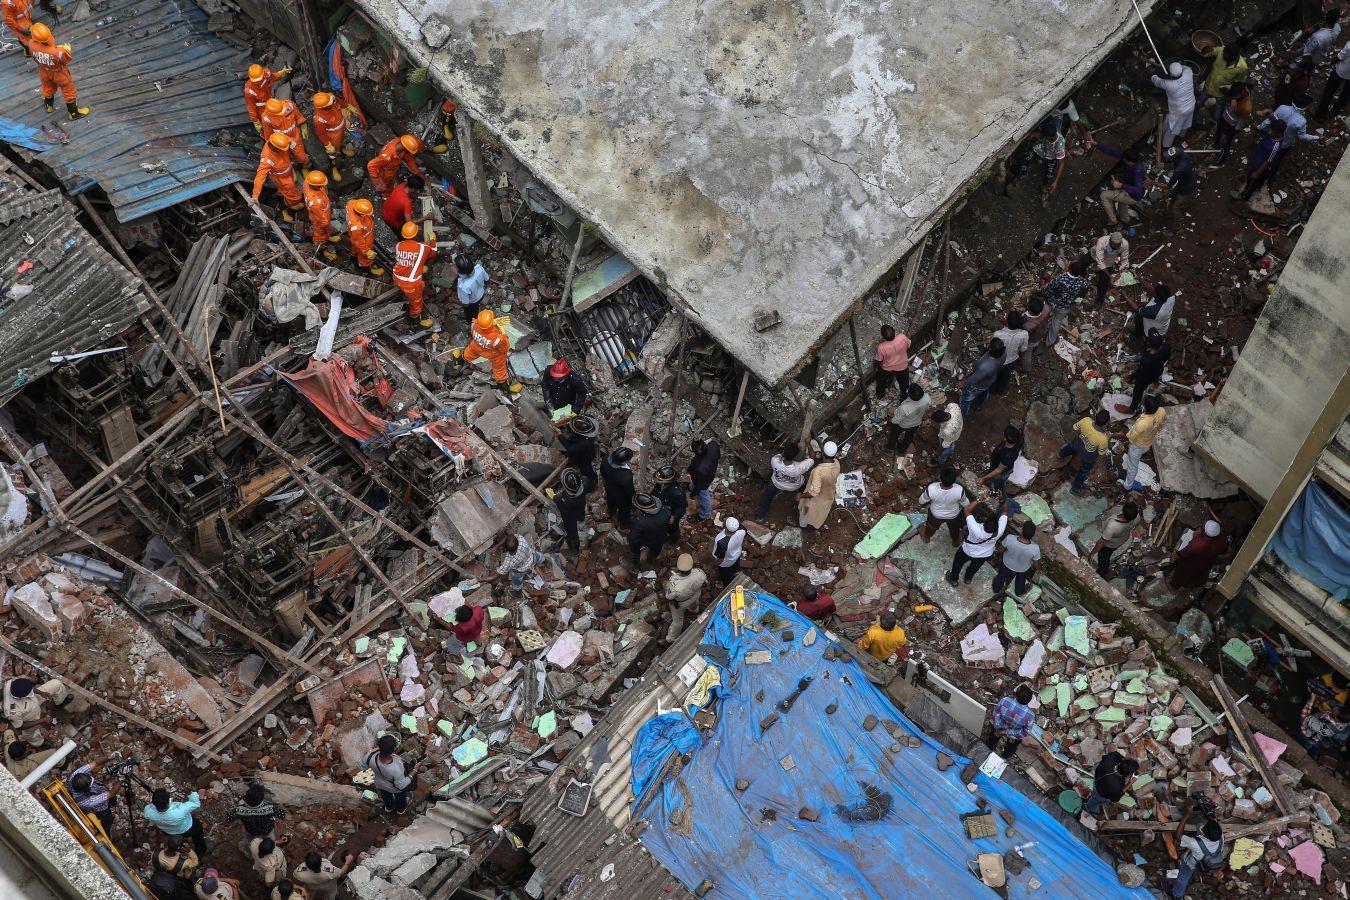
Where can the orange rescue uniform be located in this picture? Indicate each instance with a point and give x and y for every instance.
(18, 15)
(257, 93)
(411, 259)
(383, 169)
(320, 210)
(277, 165)
(493, 345)
(330, 127)
(361, 231)
(288, 123)
(53, 64)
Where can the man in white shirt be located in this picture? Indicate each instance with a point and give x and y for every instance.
(945, 498)
(1111, 253)
(983, 531)
(1320, 42)
(1015, 342)
(1337, 92)
(1179, 86)
(789, 474)
(950, 424)
(728, 547)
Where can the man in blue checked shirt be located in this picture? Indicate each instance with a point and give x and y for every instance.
(1013, 718)
(174, 819)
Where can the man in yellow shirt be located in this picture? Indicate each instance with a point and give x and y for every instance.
(884, 639)
(1229, 66)
(1141, 437)
(1090, 442)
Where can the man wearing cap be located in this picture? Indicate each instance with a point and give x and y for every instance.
(728, 547)
(578, 442)
(563, 387)
(675, 499)
(1179, 86)
(571, 505)
(1196, 560)
(817, 496)
(1111, 253)
(649, 529)
(19, 759)
(23, 705)
(214, 886)
(619, 488)
(684, 588)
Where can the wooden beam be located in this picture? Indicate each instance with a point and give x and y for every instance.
(475, 178)
(1244, 736)
(734, 427)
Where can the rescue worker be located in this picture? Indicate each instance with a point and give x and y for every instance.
(384, 167)
(281, 115)
(258, 90)
(320, 209)
(649, 529)
(563, 387)
(18, 15)
(684, 589)
(673, 495)
(361, 233)
(276, 164)
(330, 127)
(53, 64)
(571, 503)
(578, 442)
(411, 258)
(618, 485)
(491, 343)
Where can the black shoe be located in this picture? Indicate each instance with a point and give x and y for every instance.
(950, 579)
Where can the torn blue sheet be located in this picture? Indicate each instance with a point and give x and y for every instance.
(889, 820)
(1314, 541)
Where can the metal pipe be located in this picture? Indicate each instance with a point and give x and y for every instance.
(48, 764)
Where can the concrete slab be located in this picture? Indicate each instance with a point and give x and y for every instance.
(931, 564)
(1082, 513)
(1182, 472)
(786, 152)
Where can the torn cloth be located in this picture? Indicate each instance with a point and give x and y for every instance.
(1314, 541)
(288, 294)
(331, 386)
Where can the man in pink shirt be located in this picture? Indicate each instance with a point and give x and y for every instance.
(892, 359)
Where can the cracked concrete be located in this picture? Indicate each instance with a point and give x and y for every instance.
(779, 153)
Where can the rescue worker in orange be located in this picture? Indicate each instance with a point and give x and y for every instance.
(53, 64)
(281, 115)
(320, 209)
(361, 233)
(18, 15)
(330, 125)
(491, 343)
(411, 258)
(258, 90)
(397, 153)
(277, 164)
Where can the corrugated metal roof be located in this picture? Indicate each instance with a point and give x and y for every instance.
(566, 847)
(160, 85)
(81, 296)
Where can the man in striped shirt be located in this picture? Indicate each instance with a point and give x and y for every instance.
(1013, 719)
(90, 795)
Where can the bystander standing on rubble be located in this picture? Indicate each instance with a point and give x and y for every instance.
(470, 286)
(982, 532)
(23, 706)
(1295, 129)
(320, 877)
(817, 496)
(945, 499)
(1235, 108)
(1015, 340)
(683, 590)
(395, 780)
(214, 886)
(885, 638)
(571, 505)
(1036, 321)
(1181, 183)
(269, 861)
(1110, 780)
(1227, 67)
(1336, 94)
(1178, 83)
(21, 759)
(578, 442)
(175, 818)
(1320, 40)
(91, 795)
(702, 471)
(650, 529)
(1196, 560)
(892, 359)
(619, 489)
(1124, 192)
(674, 498)
(1117, 530)
(1012, 721)
(1259, 167)
(469, 621)
(814, 604)
(789, 475)
(518, 561)
(975, 386)
(907, 418)
(1140, 438)
(563, 387)
(728, 547)
(1002, 458)
(1202, 852)
(1089, 443)
(1152, 363)
(950, 422)
(1020, 553)
(1063, 291)
(1048, 152)
(1111, 255)
(1156, 315)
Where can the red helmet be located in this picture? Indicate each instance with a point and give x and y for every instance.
(560, 369)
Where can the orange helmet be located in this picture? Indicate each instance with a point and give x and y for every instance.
(275, 106)
(410, 230)
(363, 206)
(411, 144)
(256, 72)
(323, 100)
(315, 178)
(280, 141)
(40, 32)
(485, 320)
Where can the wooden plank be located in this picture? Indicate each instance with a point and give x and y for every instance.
(119, 432)
(1244, 736)
(1232, 830)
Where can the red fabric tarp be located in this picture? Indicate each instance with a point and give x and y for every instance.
(331, 386)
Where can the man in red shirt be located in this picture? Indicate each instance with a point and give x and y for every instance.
(400, 206)
(468, 625)
(892, 358)
(815, 605)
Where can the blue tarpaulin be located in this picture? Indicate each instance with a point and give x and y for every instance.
(1314, 541)
(889, 819)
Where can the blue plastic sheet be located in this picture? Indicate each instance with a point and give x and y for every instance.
(1314, 541)
(889, 821)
